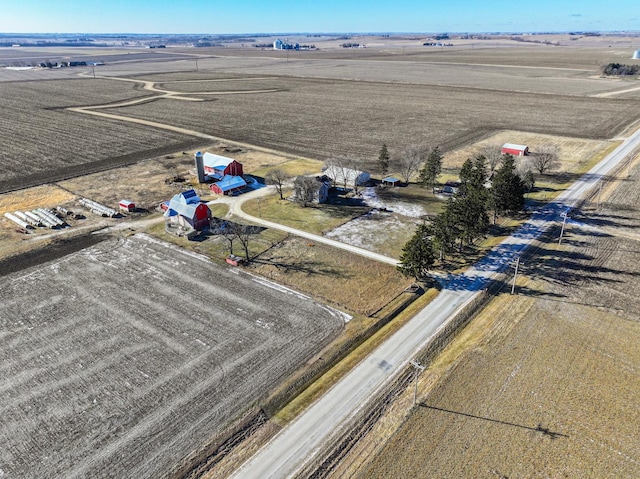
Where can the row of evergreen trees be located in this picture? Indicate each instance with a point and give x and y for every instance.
(465, 217)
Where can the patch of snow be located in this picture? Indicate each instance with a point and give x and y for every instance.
(365, 231)
(403, 208)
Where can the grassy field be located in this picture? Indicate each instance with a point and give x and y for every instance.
(546, 385)
(94, 387)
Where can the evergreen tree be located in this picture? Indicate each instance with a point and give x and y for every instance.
(431, 169)
(445, 231)
(507, 189)
(383, 160)
(417, 255)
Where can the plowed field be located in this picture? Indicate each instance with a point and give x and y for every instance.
(322, 118)
(121, 359)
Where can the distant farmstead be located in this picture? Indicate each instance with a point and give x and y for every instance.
(515, 150)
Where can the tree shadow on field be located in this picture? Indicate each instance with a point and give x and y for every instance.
(307, 267)
(539, 428)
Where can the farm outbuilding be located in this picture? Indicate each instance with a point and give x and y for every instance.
(126, 205)
(636, 55)
(217, 167)
(228, 184)
(515, 150)
(186, 209)
(390, 181)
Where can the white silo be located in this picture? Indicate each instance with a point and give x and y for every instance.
(636, 55)
(200, 167)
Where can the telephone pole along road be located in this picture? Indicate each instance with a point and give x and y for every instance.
(297, 443)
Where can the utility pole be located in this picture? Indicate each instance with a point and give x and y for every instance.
(599, 194)
(196, 63)
(564, 222)
(259, 212)
(515, 275)
(418, 368)
(93, 69)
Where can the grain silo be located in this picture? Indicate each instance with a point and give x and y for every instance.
(200, 167)
(636, 55)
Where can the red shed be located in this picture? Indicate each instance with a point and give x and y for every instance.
(126, 205)
(515, 150)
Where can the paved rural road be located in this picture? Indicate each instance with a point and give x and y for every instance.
(296, 444)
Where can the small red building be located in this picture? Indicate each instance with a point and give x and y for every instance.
(515, 150)
(126, 205)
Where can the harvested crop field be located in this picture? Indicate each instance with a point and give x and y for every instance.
(121, 359)
(551, 389)
(322, 118)
(558, 81)
(43, 142)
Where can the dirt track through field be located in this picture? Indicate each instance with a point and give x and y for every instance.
(167, 94)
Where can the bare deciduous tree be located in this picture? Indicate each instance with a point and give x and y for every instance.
(345, 172)
(493, 154)
(305, 189)
(410, 160)
(545, 158)
(277, 177)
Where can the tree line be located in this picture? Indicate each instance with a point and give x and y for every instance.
(465, 217)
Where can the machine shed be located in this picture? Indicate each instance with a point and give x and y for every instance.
(515, 150)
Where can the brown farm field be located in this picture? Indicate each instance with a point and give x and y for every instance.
(547, 386)
(42, 142)
(323, 118)
(123, 358)
(314, 111)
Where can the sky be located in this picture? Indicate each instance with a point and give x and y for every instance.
(316, 16)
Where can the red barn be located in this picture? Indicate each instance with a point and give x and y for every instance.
(515, 150)
(219, 166)
(228, 185)
(186, 209)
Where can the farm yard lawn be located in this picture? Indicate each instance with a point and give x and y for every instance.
(560, 356)
(323, 118)
(123, 358)
(315, 218)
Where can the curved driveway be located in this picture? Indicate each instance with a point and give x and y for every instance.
(235, 208)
